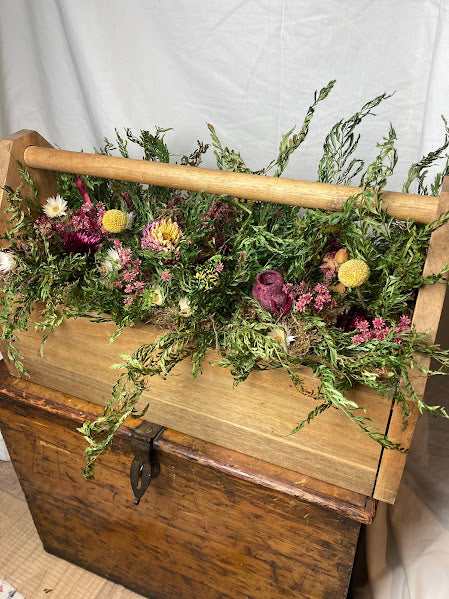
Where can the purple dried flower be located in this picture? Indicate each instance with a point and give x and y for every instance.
(268, 291)
(75, 242)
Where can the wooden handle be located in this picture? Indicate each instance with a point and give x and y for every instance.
(325, 196)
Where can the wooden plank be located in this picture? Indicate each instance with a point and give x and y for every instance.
(198, 532)
(242, 185)
(33, 400)
(255, 418)
(426, 319)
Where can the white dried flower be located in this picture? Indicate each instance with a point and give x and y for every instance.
(112, 262)
(130, 218)
(156, 297)
(281, 336)
(55, 207)
(7, 262)
(184, 307)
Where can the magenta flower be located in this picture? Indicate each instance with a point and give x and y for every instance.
(268, 291)
(75, 242)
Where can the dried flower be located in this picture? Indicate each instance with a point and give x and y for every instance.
(55, 207)
(114, 221)
(280, 335)
(7, 262)
(161, 235)
(130, 218)
(112, 261)
(184, 307)
(165, 275)
(378, 330)
(316, 300)
(154, 296)
(353, 273)
(268, 290)
(75, 242)
(341, 256)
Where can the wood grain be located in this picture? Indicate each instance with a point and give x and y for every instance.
(252, 187)
(33, 572)
(426, 319)
(255, 418)
(200, 531)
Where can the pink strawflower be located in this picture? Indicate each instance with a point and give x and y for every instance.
(219, 267)
(162, 235)
(128, 301)
(129, 288)
(165, 275)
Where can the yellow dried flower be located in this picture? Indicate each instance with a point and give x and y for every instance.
(114, 221)
(353, 273)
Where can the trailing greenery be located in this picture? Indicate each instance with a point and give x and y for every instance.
(267, 286)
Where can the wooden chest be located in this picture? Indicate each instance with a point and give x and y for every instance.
(214, 524)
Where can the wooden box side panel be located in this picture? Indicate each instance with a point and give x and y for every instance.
(426, 319)
(255, 418)
(196, 533)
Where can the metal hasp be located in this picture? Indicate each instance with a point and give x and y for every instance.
(145, 465)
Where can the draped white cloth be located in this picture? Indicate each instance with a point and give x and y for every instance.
(75, 70)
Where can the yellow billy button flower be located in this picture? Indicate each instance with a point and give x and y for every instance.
(115, 221)
(353, 273)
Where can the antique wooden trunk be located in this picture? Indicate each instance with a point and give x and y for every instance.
(214, 523)
(255, 419)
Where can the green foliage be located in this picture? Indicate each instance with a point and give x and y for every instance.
(419, 171)
(201, 290)
(337, 164)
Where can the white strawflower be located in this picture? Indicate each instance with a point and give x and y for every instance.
(112, 261)
(184, 307)
(281, 336)
(156, 297)
(130, 218)
(7, 262)
(55, 207)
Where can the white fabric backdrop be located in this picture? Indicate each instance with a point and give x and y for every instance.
(75, 70)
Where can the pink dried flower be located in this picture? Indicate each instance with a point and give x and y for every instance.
(378, 323)
(268, 291)
(139, 286)
(165, 275)
(129, 276)
(128, 301)
(219, 267)
(304, 300)
(161, 235)
(75, 242)
(129, 288)
(83, 191)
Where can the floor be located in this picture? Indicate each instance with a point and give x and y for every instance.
(24, 563)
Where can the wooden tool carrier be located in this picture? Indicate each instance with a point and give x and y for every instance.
(239, 506)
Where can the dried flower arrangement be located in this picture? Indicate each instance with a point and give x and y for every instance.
(268, 287)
